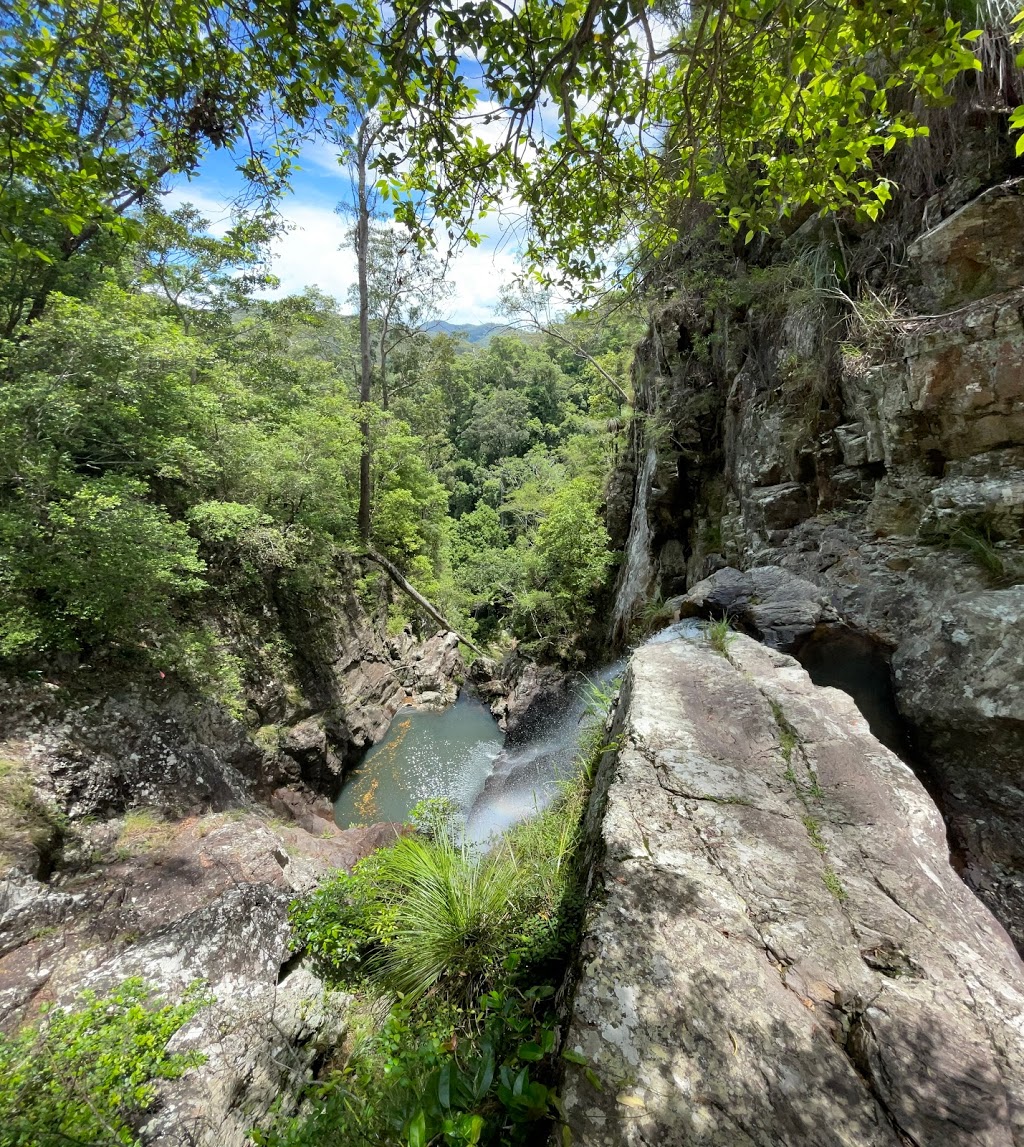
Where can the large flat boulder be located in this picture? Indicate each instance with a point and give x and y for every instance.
(778, 951)
(771, 603)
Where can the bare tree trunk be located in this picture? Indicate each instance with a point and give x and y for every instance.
(393, 573)
(383, 368)
(363, 145)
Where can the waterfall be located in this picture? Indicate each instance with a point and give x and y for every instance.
(637, 568)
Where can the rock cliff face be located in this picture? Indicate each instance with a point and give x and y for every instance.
(777, 950)
(149, 832)
(876, 455)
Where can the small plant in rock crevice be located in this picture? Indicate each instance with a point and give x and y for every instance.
(789, 743)
(720, 635)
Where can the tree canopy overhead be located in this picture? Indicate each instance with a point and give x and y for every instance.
(610, 110)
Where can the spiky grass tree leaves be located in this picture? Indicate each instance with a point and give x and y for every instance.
(451, 908)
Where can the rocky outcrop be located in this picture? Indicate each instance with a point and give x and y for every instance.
(173, 902)
(105, 742)
(521, 694)
(777, 950)
(960, 681)
(876, 454)
(769, 603)
(153, 830)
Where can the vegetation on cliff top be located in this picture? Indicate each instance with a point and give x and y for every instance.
(87, 1074)
(166, 435)
(455, 956)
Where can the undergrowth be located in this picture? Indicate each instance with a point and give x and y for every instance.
(455, 955)
(85, 1075)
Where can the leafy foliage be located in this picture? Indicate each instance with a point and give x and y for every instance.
(1017, 115)
(464, 1055)
(85, 1075)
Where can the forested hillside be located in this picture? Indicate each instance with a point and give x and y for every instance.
(242, 530)
(168, 438)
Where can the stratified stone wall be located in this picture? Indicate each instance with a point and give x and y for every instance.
(889, 472)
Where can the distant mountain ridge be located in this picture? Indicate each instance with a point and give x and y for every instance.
(474, 333)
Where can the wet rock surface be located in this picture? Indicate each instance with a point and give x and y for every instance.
(521, 694)
(778, 951)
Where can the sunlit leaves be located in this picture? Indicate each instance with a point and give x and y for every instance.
(1017, 115)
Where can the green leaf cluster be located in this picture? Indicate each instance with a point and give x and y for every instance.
(86, 1074)
(1017, 115)
(460, 947)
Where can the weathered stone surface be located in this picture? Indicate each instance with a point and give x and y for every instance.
(984, 493)
(960, 680)
(778, 507)
(175, 901)
(977, 251)
(875, 452)
(521, 693)
(964, 383)
(769, 602)
(778, 951)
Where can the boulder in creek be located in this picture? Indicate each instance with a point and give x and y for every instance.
(778, 952)
(522, 694)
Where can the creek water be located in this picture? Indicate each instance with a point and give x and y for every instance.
(423, 754)
(460, 754)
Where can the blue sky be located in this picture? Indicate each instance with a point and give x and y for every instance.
(314, 250)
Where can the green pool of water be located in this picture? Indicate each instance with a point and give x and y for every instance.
(424, 754)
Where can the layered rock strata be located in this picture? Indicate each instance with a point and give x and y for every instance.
(876, 452)
(778, 951)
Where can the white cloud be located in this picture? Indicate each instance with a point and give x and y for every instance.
(215, 208)
(313, 252)
(478, 276)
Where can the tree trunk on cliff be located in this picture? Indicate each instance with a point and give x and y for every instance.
(393, 572)
(364, 144)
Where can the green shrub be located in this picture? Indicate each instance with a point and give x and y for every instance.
(424, 914)
(85, 1075)
(99, 564)
(200, 656)
(452, 913)
(461, 950)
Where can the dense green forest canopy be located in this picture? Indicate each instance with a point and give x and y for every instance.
(167, 435)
